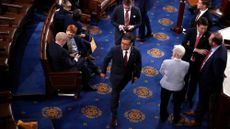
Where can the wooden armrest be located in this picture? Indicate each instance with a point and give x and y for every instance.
(7, 18)
(4, 32)
(12, 5)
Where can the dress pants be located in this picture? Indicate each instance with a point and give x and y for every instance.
(116, 90)
(165, 96)
(145, 23)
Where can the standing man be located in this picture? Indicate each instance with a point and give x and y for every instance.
(126, 66)
(197, 47)
(125, 18)
(145, 29)
(201, 11)
(211, 79)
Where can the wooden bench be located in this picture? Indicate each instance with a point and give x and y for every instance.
(56, 82)
(13, 17)
(96, 7)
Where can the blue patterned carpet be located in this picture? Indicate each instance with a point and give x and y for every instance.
(139, 103)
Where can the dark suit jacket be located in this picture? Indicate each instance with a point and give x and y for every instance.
(119, 71)
(118, 19)
(207, 15)
(189, 42)
(212, 73)
(59, 57)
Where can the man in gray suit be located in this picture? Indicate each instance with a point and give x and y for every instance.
(126, 66)
(172, 82)
(125, 18)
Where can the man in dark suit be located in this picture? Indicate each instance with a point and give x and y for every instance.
(211, 79)
(145, 29)
(126, 66)
(60, 60)
(125, 18)
(197, 47)
(201, 11)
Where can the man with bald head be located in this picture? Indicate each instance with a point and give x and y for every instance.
(60, 60)
(211, 79)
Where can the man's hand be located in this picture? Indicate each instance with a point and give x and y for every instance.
(130, 27)
(77, 56)
(201, 51)
(82, 35)
(121, 27)
(103, 75)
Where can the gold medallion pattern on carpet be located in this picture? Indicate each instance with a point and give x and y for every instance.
(170, 9)
(134, 115)
(161, 36)
(91, 111)
(142, 92)
(149, 71)
(103, 88)
(94, 30)
(157, 53)
(165, 21)
(52, 112)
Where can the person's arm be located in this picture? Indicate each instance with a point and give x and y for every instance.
(107, 59)
(162, 68)
(138, 65)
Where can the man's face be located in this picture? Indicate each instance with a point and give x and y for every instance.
(210, 39)
(126, 7)
(125, 44)
(70, 35)
(200, 5)
(201, 28)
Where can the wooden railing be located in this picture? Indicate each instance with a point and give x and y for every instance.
(56, 82)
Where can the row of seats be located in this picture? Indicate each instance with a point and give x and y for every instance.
(13, 15)
(56, 82)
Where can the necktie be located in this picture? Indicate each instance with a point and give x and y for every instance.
(197, 15)
(195, 45)
(126, 17)
(205, 59)
(126, 57)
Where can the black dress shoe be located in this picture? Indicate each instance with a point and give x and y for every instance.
(88, 88)
(149, 35)
(114, 122)
(90, 57)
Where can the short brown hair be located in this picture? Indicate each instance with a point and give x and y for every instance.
(127, 2)
(72, 28)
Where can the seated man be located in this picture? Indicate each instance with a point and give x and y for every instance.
(76, 44)
(60, 59)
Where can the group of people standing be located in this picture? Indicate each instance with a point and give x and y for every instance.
(199, 60)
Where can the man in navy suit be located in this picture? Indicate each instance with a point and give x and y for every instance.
(197, 47)
(145, 29)
(211, 79)
(126, 66)
(201, 11)
(125, 18)
(60, 60)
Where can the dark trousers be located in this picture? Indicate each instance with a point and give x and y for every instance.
(165, 95)
(116, 90)
(191, 81)
(145, 23)
(203, 103)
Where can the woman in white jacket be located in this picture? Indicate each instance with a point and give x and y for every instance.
(172, 82)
